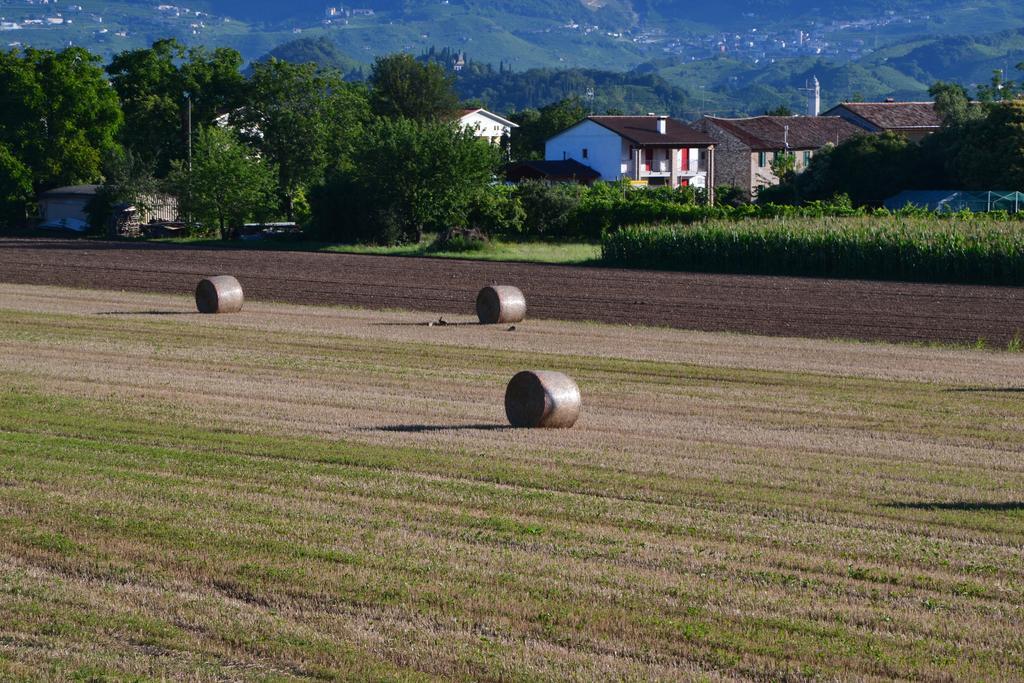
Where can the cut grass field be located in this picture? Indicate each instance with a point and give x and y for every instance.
(331, 493)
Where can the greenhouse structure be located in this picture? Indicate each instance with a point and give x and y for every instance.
(958, 200)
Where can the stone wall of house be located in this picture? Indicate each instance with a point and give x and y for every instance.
(761, 176)
(732, 157)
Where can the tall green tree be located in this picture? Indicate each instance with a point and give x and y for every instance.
(226, 184)
(15, 188)
(303, 121)
(867, 168)
(408, 177)
(127, 179)
(401, 87)
(537, 125)
(953, 104)
(58, 116)
(156, 84)
(992, 156)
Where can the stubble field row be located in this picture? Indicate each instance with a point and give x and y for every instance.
(295, 492)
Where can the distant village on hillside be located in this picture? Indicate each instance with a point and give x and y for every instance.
(755, 45)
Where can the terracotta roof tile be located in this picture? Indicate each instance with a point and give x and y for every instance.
(805, 132)
(643, 130)
(895, 115)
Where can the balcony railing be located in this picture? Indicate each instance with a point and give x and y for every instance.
(661, 168)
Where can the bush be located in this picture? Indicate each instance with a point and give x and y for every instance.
(972, 250)
(460, 240)
(548, 207)
(496, 209)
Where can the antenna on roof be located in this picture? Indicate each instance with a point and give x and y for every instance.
(590, 100)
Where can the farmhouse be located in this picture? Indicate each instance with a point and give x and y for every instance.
(486, 124)
(746, 147)
(915, 120)
(648, 150)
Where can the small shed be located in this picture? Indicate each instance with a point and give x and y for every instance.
(66, 203)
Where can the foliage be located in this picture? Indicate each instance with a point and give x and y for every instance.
(730, 195)
(15, 188)
(952, 103)
(156, 84)
(226, 185)
(58, 116)
(321, 51)
(460, 241)
(402, 87)
(783, 165)
(128, 179)
(302, 120)
(904, 247)
(548, 207)
(496, 209)
(407, 177)
(991, 150)
(852, 168)
(536, 126)
(568, 210)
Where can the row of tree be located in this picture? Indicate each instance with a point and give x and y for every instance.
(235, 146)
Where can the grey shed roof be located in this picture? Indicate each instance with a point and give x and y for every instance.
(70, 191)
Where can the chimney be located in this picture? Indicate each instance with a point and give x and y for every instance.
(663, 124)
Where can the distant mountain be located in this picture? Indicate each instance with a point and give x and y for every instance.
(728, 56)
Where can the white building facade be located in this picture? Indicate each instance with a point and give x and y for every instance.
(486, 124)
(647, 150)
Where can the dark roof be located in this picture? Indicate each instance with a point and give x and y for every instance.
(568, 169)
(71, 191)
(643, 130)
(805, 132)
(894, 115)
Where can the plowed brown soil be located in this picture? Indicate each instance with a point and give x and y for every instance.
(781, 306)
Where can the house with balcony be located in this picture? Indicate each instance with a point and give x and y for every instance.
(646, 150)
(747, 147)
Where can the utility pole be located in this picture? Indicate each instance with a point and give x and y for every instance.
(188, 199)
(188, 98)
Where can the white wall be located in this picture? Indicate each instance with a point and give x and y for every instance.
(63, 207)
(484, 126)
(604, 148)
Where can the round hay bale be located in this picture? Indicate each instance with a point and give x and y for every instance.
(500, 304)
(219, 294)
(542, 398)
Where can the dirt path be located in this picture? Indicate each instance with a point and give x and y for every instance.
(779, 306)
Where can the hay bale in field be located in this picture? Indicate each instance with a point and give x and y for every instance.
(542, 398)
(500, 304)
(219, 294)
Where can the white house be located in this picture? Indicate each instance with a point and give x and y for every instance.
(648, 150)
(486, 124)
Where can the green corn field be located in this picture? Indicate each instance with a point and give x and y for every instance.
(979, 250)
